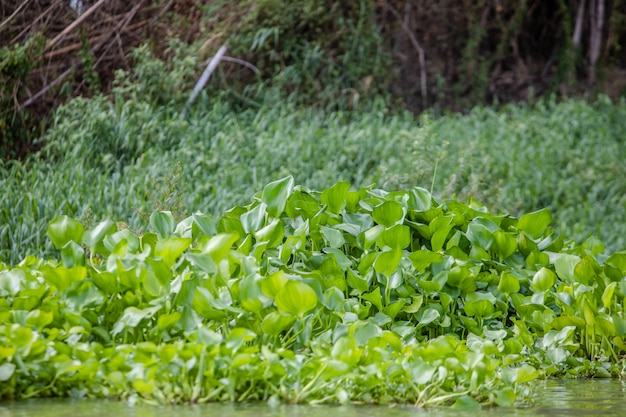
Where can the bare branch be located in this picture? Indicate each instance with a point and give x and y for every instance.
(213, 62)
(74, 24)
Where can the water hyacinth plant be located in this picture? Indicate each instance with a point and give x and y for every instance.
(302, 296)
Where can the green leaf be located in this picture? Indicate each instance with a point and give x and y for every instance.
(275, 195)
(346, 350)
(11, 282)
(272, 284)
(535, 223)
(526, 373)
(615, 266)
(428, 316)
(272, 234)
(505, 397)
(375, 298)
(203, 223)
(422, 259)
(357, 282)
(466, 403)
(505, 244)
(63, 229)
(333, 236)
(395, 237)
(335, 198)
(219, 245)
(6, 371)
(167, 321)
(253, 220)
(480, 304)
(565, 266)
(480, 236)
(39, 318)
(508, 283)
(388, 213)
(93, 237)
(420, 199)
(163, 223)
(275, 322)
(543, 280)
(387, 262)
(171, 249)
(607, 295)
(296, 298)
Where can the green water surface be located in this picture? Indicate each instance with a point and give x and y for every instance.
(605, 398)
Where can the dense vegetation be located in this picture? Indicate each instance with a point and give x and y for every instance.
(150, 253)
(123, 157)
(302, 296)
(326, 53)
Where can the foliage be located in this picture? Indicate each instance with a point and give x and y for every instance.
(129, 155)
(328, 54)
(341, 296)
(15, 66)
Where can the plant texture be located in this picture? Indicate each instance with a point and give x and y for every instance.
(339, 296)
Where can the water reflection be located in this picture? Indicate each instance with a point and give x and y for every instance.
(554, 398)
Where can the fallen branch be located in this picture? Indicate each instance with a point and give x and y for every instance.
(15, 13)
(213, 62)
(241, 62)
(44, 90)
(74, 24)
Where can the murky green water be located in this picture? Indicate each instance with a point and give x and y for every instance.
(606, 398)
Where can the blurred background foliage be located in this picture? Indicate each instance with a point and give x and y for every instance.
(335, 54)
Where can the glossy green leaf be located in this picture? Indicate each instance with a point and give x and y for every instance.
(535, 223)
(420, 199)
(272, 284)
(296, 297)
(387, 262)
(395, 237)
(336, 197)
(375, 298)
(479, 304)
(219, 245)
(508, 283)
(170, 249)
(347, 350)
(274, 323)
(94, 236)
(526, 373)
(388, 214)
(254, 219)
(275, 195)
(480, 236)
(63, 229)
(565, 265)
(505, 244)
(543, 280)
(333, 236)
(422, 259)
(163, 223)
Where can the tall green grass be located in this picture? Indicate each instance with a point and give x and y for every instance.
(124, 156)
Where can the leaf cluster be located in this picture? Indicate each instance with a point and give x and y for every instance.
(338, 296)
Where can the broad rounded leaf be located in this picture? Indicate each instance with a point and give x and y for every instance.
(63, 229)
(543, 280)
(296, 298)
(388, 213)
(535, 223)
(163, 223)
